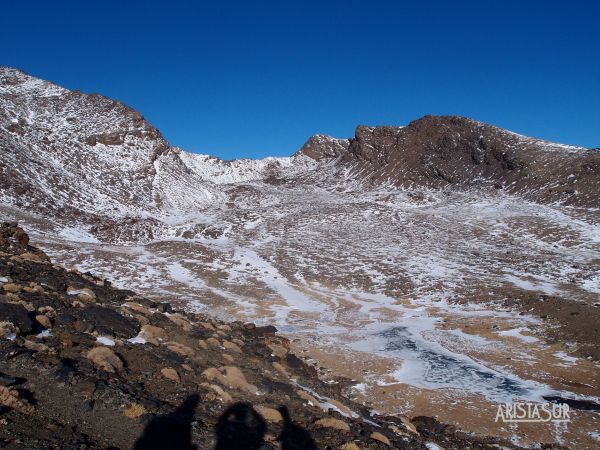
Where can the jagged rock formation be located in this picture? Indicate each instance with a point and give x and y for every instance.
(454, 151)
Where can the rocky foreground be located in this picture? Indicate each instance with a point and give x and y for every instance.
(85, 365)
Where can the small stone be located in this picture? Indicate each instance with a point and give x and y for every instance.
(170, 374)
(333, 423)
(350, 446)
(33, 257)
(43, 321)
(153, 334)
(278, 350)
(309, 398)
(381, 438)
(232, 346)
(104, 358)
(228, 358)
(408, 424)
(223, 395)
(269, 414)
(180, 349)
(12, 287)
(134, 411)
(207, 326)
(180, 321)
(344, 409)
(213, 342)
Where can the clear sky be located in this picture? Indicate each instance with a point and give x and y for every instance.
(257, 78)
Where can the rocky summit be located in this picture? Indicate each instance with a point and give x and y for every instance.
(418, 276)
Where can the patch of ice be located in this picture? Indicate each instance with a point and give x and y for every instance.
(568, 360)
(594, 435)
(77, 235)
(44, 334)
(517, 333)
(105, 341)
(432, 446)
(139, 339)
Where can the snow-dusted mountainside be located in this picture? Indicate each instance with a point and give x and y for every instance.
(447, 262)
(84, 158)
(451, 151)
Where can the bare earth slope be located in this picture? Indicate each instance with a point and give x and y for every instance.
(85, 365)
(445, 266)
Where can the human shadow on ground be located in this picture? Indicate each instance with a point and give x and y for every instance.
(293, 436)
(171, 431)
(241, 427)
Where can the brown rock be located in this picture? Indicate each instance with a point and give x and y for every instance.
(230, 376)
(9, 398)
(336, 424)
(343, 408)
(153, 334)
(170, 374)
(104, 358)
(180, 349)
(350, 446)
(309, 398)
(181, 321)
(34, 257)
(222, 394)
(134, 411)
(213, 342)
(269, 414)
(408, 424)
(231, 346)
(12, 287)
(381, 438)
(278, 350)
(207, 325)
(43, 321)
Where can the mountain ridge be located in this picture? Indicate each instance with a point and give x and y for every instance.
(87, 158)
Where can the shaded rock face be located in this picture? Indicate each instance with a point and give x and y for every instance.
(441, 151)
(320, 147)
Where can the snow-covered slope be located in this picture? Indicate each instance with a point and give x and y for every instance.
(447, 262)
(89, 159)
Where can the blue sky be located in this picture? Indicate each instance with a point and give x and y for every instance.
(251, 79)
